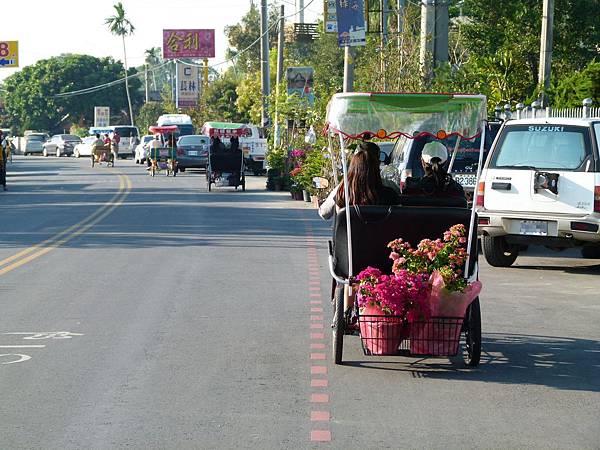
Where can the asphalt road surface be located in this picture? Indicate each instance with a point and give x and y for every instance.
(148, 313)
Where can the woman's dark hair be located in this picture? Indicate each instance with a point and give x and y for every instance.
(364, 179)
(436, 172)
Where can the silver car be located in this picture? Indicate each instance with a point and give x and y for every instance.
(34, 143)
(60, 144)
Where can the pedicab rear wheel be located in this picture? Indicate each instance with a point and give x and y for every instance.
(338, 324)
(472, 328)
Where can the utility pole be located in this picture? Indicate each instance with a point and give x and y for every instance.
(440, 51)
(147, 82)
(280, 44)
(301, 11)
(348, 69)
(384, 37)
(546, 48)
(427, 39)
(400, 21)
(264, 60)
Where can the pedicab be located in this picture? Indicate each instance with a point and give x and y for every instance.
(361, 234)
(103, 153)
(225, 168)
(164, 157)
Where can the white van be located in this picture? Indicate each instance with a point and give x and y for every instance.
(182, 121)
(129, 137)
(541, 185)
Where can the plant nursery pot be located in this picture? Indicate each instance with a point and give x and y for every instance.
(438, 336)
(278, 186)
(297, 195)
(381, 335)
(306, 196)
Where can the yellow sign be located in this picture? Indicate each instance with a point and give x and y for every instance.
(9, 54)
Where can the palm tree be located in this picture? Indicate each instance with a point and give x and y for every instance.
(152, 59)
(119, 25)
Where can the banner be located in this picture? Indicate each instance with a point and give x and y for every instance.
(351, 23)
(188, 44)
(188, 85)
(9, 54)
(101, 116)
(300, 81)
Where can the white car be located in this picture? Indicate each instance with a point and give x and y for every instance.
(84, 148)
(541, 186)
(141, 150)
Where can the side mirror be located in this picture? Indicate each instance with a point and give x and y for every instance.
(320, 182)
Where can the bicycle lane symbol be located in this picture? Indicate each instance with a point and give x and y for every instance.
(13, 358)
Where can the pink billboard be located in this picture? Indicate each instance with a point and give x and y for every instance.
(188, 44)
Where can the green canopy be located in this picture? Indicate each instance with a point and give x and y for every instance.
(387, 115)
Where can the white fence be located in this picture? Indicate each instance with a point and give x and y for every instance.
(574, 113)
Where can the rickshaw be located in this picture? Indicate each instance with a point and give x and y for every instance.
(225, 166)
(103, 153)
(164, 157)
(361, 233)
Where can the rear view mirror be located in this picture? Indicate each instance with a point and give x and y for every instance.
(320, 182)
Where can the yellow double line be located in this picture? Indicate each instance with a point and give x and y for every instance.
(29, 254)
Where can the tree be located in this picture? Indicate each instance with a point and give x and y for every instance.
(153, 58)
(119, 25)
(33, 97)
(148, 115)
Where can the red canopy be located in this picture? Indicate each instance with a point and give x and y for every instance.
(165, 129)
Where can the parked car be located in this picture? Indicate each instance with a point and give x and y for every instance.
(192, 152)
(33, 143)
(84, 148)
(541, 186)
(141, 150)
(60, 144)
(405, 158)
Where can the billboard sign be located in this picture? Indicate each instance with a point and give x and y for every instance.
(9, 54)
(188, 44)
(300, 81)
(188, 85)
(330, 16)
(351, 26)
(101, 116)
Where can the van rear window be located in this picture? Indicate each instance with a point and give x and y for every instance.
(555, 147)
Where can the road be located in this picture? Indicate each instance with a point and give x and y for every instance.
(149, 313)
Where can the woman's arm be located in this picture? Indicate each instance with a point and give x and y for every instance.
(327, 208)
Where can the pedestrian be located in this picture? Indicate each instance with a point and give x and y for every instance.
(3, 158)
(114, 144)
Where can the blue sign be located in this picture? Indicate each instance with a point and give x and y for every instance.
(351, 26)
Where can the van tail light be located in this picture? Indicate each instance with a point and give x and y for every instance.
(483, 221)
(480, 193)
(597, 199)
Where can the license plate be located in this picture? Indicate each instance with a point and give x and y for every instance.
(534, 227)
(192, 153)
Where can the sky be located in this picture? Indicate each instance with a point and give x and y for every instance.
(46, 28)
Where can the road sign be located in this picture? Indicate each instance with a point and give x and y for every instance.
(188, 44)
(9, 53)
(101, 116)
(330, 16)
(351, 23)
(188, 85)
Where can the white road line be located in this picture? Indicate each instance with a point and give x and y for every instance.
(22, 346)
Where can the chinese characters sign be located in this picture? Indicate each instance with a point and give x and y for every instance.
(188, 85)
(188, 44)
(101, 116)
(351, 23)
(300, 81)
(9, 54)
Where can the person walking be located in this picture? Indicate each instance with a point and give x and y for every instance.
(3, 161)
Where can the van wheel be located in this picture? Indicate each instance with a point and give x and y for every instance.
(498, 252)
(590, 251)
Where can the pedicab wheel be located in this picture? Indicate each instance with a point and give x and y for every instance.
(473, 333)
(338, 324)
(243, 183)
(209, 185)
(93, 160)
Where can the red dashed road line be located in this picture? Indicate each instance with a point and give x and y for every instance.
(320, 418)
